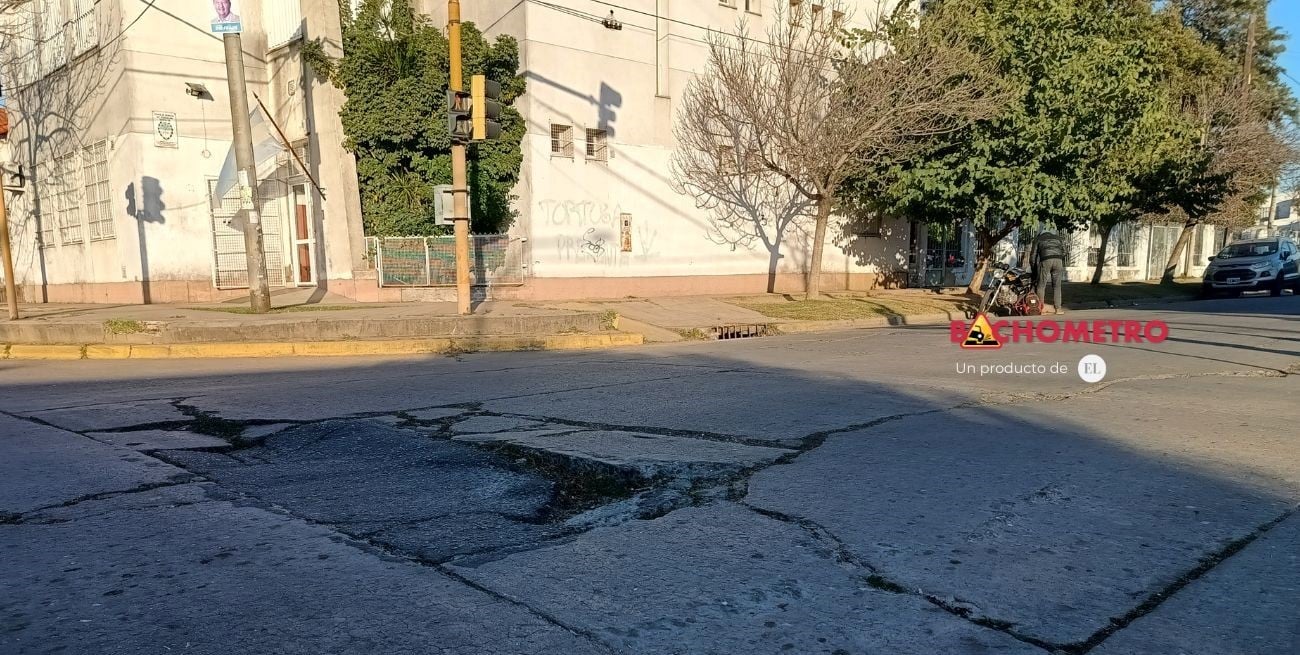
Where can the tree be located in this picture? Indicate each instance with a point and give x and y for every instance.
(786, 120)
(1084, 76)
(394, 71)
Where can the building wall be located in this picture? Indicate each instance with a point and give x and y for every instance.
(628, 83)
(161, 246)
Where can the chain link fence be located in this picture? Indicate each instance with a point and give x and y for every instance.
(494, 260)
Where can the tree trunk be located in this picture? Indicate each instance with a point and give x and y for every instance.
(819, 242)
(1184, 238)
(1101, 253)
(981, 266)
(773, 260)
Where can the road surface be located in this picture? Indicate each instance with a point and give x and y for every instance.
(853, 492)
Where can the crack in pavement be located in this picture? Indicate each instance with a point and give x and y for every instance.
(175, 480)
(1206, 564)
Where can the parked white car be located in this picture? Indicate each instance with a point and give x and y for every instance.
(1271, 264)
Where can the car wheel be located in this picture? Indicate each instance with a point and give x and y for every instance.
(1276, 289)
(1207, 291)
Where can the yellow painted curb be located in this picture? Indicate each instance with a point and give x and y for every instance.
(108, 351)
(436, 345)
(41, 351)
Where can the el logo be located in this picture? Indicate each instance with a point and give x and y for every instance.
(981, 335)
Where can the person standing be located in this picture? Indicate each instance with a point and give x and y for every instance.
(1049, 260)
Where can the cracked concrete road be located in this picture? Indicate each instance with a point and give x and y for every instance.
(835, 493)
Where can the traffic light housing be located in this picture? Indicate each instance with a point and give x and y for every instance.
(459, 122)
(485, 108)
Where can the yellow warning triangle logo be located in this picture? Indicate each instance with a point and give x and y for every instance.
(981, 335)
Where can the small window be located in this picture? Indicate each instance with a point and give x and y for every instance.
(837, 17)
(870, 225)
(597, 145)
(754, 6)
(727, 160)
(728, 3)
(562, 141)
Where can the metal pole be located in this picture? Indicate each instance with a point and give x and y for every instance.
(259, 291)
(459, 192)
(11, 286)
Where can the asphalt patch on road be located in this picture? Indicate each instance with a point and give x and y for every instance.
(424, 497)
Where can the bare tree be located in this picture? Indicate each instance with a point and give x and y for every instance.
(1248, 154)
(776, 125)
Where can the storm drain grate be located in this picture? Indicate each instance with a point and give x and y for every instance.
(740, 331)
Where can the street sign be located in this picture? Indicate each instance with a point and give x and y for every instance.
(226, 18)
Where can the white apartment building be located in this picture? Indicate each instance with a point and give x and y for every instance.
(120, 117)
(597, 202)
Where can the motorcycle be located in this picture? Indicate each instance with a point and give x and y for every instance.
(1011, 292)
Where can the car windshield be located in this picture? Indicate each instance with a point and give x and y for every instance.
(1255, 249)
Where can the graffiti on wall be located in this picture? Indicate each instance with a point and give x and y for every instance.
(595, 233)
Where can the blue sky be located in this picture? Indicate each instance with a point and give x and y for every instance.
(1286, 14)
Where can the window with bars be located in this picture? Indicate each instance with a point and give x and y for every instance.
(67, 199)
(1125, 238)
(85, 26)
(562, 140)
(99, 214)
(597, 145)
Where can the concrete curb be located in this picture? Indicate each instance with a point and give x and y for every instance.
(433, 346)
(934, 318)
(1137, 302)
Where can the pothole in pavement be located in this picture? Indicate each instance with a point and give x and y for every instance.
(448, 484)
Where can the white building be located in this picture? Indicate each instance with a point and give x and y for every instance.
(122, 157)
(121, 119)
(596, 200)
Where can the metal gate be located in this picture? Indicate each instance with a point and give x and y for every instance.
(230, 262)
(1163, 238)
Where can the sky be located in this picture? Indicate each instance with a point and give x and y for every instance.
(1286, 14)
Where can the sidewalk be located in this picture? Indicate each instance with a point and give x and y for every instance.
(307, 322)
(301, 323)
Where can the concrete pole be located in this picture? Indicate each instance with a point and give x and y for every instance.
(459, 189)
(11, 286)
(1248, 62)
(1272, 208)
(259, 291)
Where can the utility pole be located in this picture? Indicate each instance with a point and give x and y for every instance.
(1272, 208)
(459, 190)
(259, 291)
(1248, 64)
(11, 287)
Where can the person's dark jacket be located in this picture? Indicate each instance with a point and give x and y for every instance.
(1048, 246)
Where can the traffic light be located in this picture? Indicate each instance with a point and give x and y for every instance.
(485, 107)
(459, 122)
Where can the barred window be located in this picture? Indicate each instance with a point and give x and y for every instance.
(99, 214)
(597, 145)
(86, 27)
(67, 199)
(562, 140)
(1125, 237)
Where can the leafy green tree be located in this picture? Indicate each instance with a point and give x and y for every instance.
(1086, 106)
(394, 71)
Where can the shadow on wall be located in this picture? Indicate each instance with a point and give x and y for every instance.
(149, 210)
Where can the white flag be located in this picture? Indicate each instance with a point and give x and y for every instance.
(265, 147)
